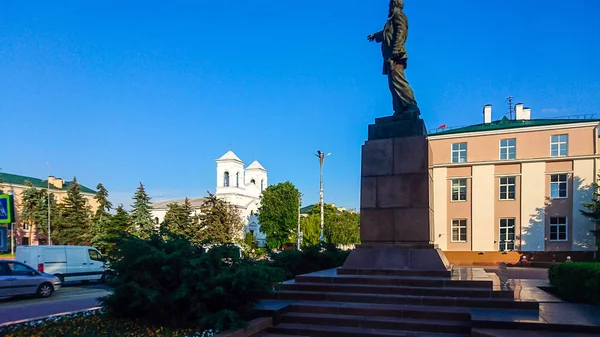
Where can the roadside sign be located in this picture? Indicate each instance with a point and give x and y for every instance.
(6, 215)
(3, 239)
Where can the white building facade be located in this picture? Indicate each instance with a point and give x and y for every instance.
(242, 186)
(239, 185)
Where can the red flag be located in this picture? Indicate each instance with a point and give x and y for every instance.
(443, 126)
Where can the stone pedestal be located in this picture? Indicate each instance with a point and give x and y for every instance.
(396, 199)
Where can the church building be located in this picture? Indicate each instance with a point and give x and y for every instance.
(239, 185)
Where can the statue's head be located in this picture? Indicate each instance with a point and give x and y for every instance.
(396, 4)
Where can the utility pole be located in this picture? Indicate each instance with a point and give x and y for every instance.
(322, 156)
(299, 234)
(48, 196)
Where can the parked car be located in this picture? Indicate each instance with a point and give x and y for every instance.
(17, 278)
(68, 263)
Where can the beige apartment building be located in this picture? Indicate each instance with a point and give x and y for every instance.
(514, 184)
(25, 233)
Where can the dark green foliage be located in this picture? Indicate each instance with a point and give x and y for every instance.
(34, 210)
(74, 218)
(141, 215)
(310, 259)
(115, 228)
(576, 281)
(250, 240)
(278, 213)
(101, 219)
(220, 221)
(180, 220)
(167, 280)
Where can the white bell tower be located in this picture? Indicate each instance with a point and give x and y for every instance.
(256, 178)
(230, 174)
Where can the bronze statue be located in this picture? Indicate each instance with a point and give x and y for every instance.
(392, 39)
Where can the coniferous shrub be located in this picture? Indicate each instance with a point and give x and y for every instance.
(167, 280)
(310, 259)
(576, 281)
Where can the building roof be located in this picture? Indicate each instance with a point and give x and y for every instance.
(506, 123)
(229, 156)
(13, 179)
(162, 204)
(255, 166)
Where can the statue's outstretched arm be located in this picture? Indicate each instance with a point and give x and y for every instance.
(379, 36)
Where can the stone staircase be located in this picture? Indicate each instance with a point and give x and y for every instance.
(348, 302)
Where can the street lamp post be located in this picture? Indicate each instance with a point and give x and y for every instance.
(48, 196)
(322, 156)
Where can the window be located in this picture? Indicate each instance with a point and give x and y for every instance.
(237, 179)
(226, 179)
(459, 153)
(558, 186)
(262, 185)
(25, 241)
(507, 234)
(253, 182)
(94, 255)
(508, 149)
(507, 188)
(26, 226)
(459, 230)
(558, 229)
(459, 190)
(559, 145)
(18, 269)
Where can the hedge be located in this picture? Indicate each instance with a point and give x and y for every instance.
(576, 281)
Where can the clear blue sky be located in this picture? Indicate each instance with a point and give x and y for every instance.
(122, 92)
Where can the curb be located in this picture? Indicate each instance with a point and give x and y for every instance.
(46, 317)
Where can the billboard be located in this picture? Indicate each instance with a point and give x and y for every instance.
(6, 215)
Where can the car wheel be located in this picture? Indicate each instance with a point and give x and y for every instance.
(45, 290)
(107, 277)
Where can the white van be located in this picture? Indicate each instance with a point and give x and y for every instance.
(68, 263)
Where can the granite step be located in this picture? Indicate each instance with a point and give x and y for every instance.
(398, 290)
(383, 310)
(388, 323)
(497, 303)
(394, 272)
(435, 282)
(336, 331)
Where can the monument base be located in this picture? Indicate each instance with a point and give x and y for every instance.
(397, 257)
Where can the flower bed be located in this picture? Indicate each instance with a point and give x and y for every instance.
(93, 323)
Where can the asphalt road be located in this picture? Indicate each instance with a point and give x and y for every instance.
(70, 298)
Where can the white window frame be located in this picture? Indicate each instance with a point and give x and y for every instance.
(507, 185)
(558, 225)
(507, 227)
(507, 147)
(460, 227)
(566, 182)
(459, 186)
(458, 151)
(558, 143)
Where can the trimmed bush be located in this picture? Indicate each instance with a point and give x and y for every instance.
(169, 281)
(576, 281)
(310, 259)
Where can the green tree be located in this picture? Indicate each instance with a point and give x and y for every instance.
(250, 240)
(592, 212)
(101, 218)
(74, 226)
(34, 211)
(311, 230)
(180, 219)
(117, 227)
(141, 215)
(343, 228)
(278, 213)
(220, 221)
